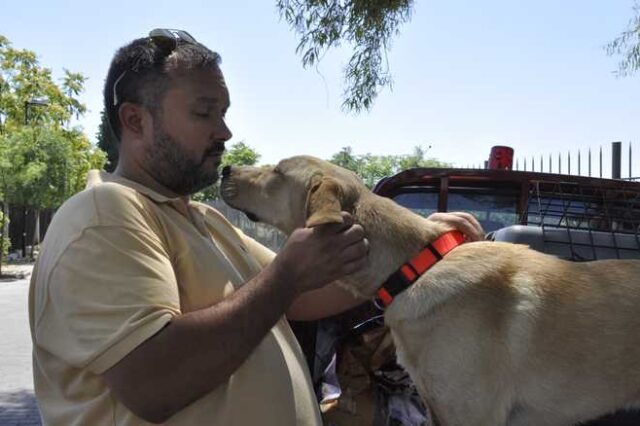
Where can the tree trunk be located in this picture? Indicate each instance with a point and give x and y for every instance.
(35, 241)
(36, 233)
(4, 227)
(23, 242)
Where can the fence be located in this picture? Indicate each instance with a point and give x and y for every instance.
(22, 227)
(591, 163)
(574, 163)
(264, 234)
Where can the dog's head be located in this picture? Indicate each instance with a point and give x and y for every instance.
(299, 191)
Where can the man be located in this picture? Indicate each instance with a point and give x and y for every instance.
(147, 307)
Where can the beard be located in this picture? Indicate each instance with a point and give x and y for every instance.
(175, 169)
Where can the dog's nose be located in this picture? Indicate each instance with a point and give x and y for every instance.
(226, 171)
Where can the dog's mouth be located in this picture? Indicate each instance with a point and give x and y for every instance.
(228, 188)
(229, 191)
(252, 217)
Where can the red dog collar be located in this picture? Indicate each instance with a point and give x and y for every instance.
(410, 271)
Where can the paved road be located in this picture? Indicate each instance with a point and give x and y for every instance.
(17, 403)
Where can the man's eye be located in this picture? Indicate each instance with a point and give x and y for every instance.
(202, 114)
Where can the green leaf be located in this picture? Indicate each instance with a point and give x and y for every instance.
(368, 25)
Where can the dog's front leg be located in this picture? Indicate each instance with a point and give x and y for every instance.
(454, 402)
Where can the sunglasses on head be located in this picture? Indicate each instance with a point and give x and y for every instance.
(164, 36)
(166, 39)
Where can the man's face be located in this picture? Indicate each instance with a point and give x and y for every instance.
(189, 132)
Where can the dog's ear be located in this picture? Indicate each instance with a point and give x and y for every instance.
(324, 202)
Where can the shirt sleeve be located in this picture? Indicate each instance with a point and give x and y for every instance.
(110, 290)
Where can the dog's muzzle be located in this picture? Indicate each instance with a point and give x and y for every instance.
(228, 188)
(229, 191)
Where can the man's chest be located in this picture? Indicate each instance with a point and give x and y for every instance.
(209, 259)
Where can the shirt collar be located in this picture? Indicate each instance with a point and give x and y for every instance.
(97, 177)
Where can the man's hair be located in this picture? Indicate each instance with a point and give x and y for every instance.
(141, 71)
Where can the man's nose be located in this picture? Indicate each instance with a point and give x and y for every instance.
(224, 133)
(226, 171)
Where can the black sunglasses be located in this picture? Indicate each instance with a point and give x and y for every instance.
(168, 40)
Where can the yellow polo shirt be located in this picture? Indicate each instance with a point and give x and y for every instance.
(118, 263)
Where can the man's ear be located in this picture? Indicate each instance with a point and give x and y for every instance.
(324, 202)
(131, 116)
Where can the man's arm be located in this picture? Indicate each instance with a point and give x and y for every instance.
(321, 303)
(198, 351)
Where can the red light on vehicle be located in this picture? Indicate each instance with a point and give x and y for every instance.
(501, 158)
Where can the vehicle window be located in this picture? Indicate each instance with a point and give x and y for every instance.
(422, 202)
(493, 210)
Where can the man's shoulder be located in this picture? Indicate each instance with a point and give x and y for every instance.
(100, 208)
(107, 204)
(116, 203)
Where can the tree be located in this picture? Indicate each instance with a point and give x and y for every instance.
(628, 45)
(83, 156)
(371, 168)
(367, 25)
(107, 142)
(73, 85)
(5, 242)
(41, 163)
(4, 217)
(239, 154)
(347, 160)
(419, 159)
(42, 167)
(22, 78)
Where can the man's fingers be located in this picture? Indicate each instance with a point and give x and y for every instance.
(463, 222)
(479, 231)
(354, 266)
(356, 251)
(471, 218)
(353, 234)
(347, 218)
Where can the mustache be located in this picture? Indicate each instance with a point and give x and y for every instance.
(217, 149)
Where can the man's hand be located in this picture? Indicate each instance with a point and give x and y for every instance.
(463, 222)
(314, 257)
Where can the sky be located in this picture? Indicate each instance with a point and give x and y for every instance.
(467, 74)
